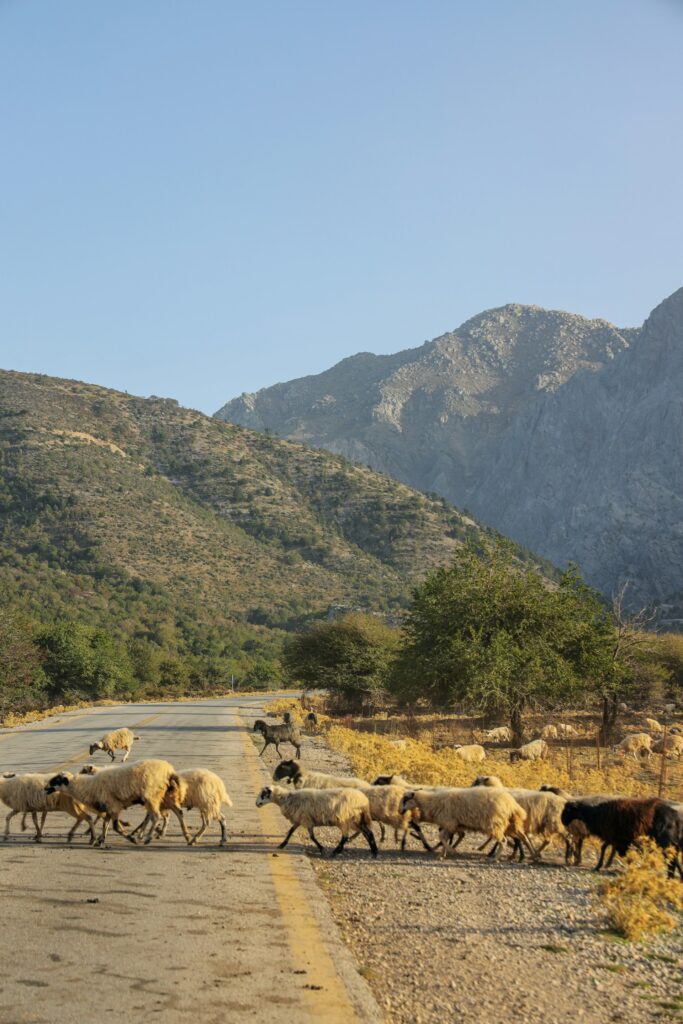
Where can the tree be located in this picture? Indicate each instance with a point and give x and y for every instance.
(349, 656)
(22, 680)
(83, 662)
(491, 632)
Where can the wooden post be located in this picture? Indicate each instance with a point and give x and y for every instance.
(597, 748)
(662, 770)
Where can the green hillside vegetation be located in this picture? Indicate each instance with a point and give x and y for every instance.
(191, 545)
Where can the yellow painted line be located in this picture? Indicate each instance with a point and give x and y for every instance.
(306, 941)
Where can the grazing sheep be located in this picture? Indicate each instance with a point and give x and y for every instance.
(197, 788)
(277, 734)
(118, 739)
(672, 746)
(110, 792)
(543, 813)
(618, 822)
(25, 794)
(456, 811)
(566, 732)
(501, 734)
(399, 744)
(345, 809)
(549, 732)
(472, 752)
(669, 709)
(652, 725)
(384, 800)
(638, 743)
(537, 750)
(667, 832)
(311, 721)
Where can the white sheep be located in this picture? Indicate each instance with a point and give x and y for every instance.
(566, 732)
(652, 725)
(118, 739)
(673, 745)
(637, 743)
(455, 811)
(200, 789)
(472, 753)
(345, 809)
(537, 750)
(501, 734)
(25, 794)
(147, 782)
(549, 732)
(543, 811)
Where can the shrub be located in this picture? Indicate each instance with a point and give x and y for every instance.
(642, 900)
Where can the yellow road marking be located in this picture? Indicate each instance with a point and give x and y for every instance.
(306, 942)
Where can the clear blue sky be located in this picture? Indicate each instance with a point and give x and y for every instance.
(203, 198)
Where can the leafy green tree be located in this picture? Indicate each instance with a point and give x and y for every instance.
(490, 632)
(83, 662)
(350, 657)
(22, 680)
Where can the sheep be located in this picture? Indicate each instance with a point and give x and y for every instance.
(672, 746)
(147, 782)
(566, 732)
(472, 752)
(652, 725)
(25, 794)
(456, 811)
(384, 799)
(311, 721)
(549, 732)
(534, 751)
(197, 788)
(543, 813)
(669, 709)
(637, 743)
(618, 822)
(399, 744)
(667, 832)
(501, 734)
(277, 734)
(118, 739)
(345, 809)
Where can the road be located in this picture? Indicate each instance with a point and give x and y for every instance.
(179, 934)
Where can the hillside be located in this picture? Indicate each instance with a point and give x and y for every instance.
(147, 518)
(560, 432)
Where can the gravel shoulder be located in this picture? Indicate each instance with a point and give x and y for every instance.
(470, 939)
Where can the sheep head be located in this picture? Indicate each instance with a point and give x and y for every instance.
(264, 797)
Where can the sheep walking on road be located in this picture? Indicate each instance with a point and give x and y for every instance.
(200, 789)
(618, 822)
(277, 734)
(118, 739)
(345, 809)
(25, 794)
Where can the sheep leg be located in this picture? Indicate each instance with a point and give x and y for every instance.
(23, 821)
(456, 844)
(126, 752)
(298, 752)
(446, 838)
(138, 828)
(602, 857)
(578, 850)
(311, 833)
(161, 829)
(7, 821)
(417, 832)
(264, 746)
(154, 814)
(289, 835)
(535, 854)
(611, 858)
(224, 830)
(106, 820)
(341, 844)
(112, 754)
(367, 832)
(189, 839)
(382, 832)
(485, 844)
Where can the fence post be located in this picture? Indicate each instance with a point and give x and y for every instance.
(662, 770)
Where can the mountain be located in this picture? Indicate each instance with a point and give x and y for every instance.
(561, 432)
(146, 518)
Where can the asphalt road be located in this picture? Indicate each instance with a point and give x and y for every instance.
(201, 934)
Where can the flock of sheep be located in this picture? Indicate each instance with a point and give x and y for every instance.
(520, 817)
(105, 793)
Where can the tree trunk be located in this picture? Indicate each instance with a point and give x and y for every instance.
(610, 714)
(517, 726)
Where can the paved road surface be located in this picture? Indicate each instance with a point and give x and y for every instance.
(202, 935)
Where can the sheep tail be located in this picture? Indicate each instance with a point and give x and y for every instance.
(173, 784)
(136, 737)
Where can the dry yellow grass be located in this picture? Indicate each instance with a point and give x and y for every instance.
(293, 705)
(641, 900)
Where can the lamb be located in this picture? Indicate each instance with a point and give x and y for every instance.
(535, 751)
(118, 739)
(25, 794)
(200, 788)
(501, 734)
(147, 782)
(277, 734)
(638, 743)
(543, 813)
(672, 746)
(618, 822)
(652, 725)
(455, 811)
(345, 809)
(384, 799)
(472, 752)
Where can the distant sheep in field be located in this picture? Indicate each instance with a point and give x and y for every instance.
(672, 746)
(639, 744)
(345, 809)
(311, 721)
(501, 734)
(549, 732)
(399, 744)
(118, 739)
(652, 725)
(669, 709)
(472, 753)
(277, 734)
(537, 750)
(567, 732)
(110, 792)
(25, 794)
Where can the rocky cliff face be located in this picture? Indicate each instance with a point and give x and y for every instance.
(561, 432)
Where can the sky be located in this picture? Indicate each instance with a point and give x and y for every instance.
(200, 199)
